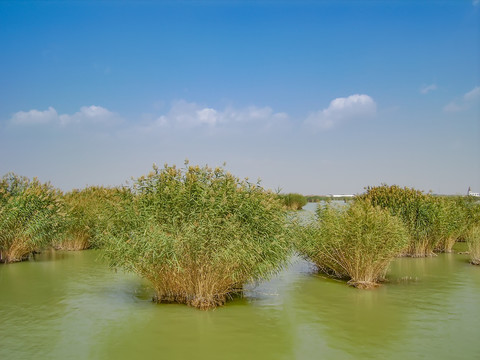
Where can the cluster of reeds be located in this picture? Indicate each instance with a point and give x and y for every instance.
(84, 210)
(452, 222)
(293, 201)
(29, 216)
(421, 214)
(473, 241)
(197, 234)
(356, 242)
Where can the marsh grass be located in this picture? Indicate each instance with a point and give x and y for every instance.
(84, 217)
(29, 216)
(356, 242)
(421, 214)
(197, 234)
(473, 241)
(293, 201)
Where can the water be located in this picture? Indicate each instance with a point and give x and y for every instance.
(70, 305)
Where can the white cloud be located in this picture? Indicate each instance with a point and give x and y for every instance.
(87, 114)
(473, 95)
(468, 99)
(425, 89)
(34, 117)
(183, 114)
(342, 109)
(476, 2)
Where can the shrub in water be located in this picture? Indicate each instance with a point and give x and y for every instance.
(29, 215)
(419, 212)
(355, 242)
(197, 234)
(452, 222)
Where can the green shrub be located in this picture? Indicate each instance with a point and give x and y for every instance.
(355, 242)
(293, 201)
(29, 216)
(197, 234)
(421, 214)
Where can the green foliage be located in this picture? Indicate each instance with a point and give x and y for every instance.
(452, 222)
(473, 241)
(355, 242)
(421, 213)
(293, 201)
(197, 234)
(29, 216)
(84, 217)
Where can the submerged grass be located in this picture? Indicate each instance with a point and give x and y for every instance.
(357, 242)
(30, 213)
(197, 234)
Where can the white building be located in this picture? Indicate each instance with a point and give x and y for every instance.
(470, 193)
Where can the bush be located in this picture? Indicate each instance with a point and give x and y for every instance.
(420, 213)
(294, 201)
(29, 216)
(83, 217)
(197, 234)
(355, 242)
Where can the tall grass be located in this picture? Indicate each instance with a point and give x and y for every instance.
(420, 213)
(452, 222)
(197, 234)
(355, 242)
(293, 201)
(473, 241)
(29, 216)
(84, 211)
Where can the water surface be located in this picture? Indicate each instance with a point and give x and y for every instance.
(70, 305)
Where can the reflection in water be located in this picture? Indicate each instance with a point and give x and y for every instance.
(69, 304)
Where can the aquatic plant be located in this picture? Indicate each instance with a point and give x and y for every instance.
(473, 241)
(420, 213)
(294, 201)
(84, 214)
(356, 242)
(29, 216)
(197, 234)
(452, 222)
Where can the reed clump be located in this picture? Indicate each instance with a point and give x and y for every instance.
(293, 201)
(30, 212)
(356, 242)
(84, 214)
(420, 213)
(473, 241)
(197, 234)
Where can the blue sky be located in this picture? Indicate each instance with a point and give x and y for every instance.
(315, 97)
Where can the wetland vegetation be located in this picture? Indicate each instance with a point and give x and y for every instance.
(198, 234)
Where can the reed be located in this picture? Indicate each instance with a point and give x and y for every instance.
(473, 241)
(293, 201)
(197, 234)
(420, 213)
(84, 214)
(356, 242)
(29, 216)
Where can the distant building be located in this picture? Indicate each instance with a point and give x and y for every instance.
(470, 193)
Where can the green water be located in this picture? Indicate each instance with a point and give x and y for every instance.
(69, 305)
